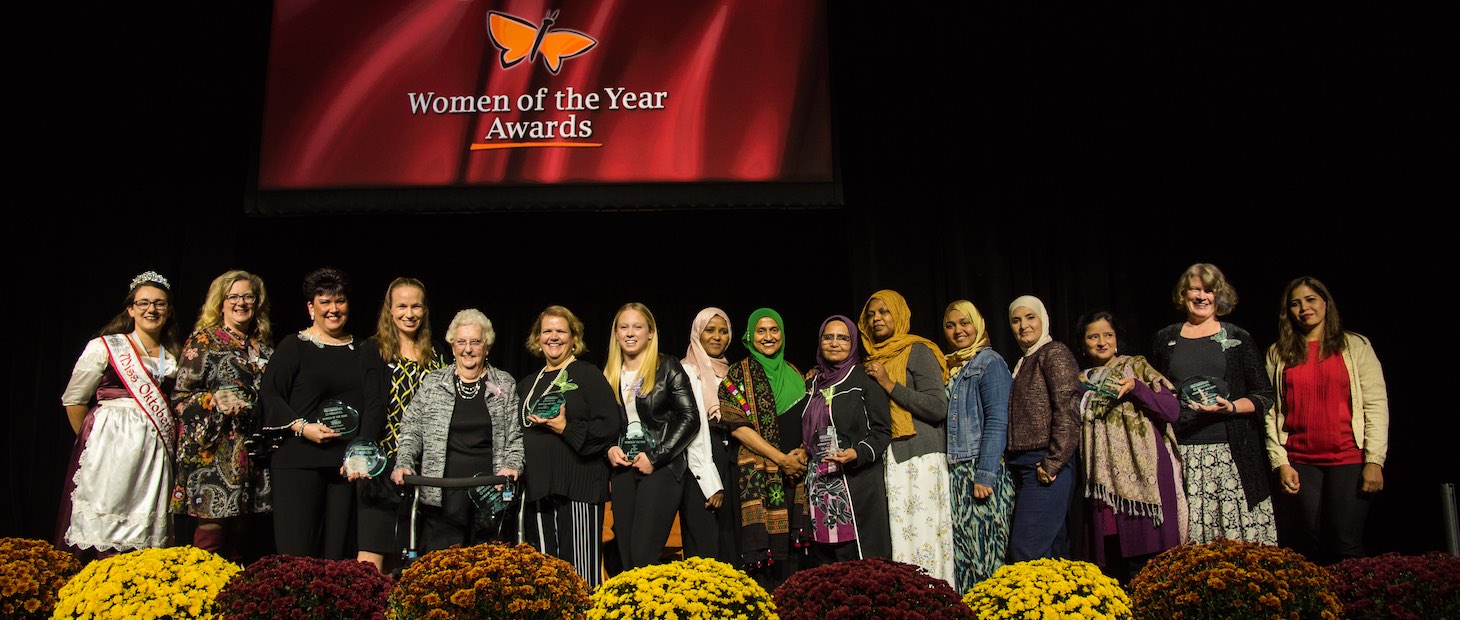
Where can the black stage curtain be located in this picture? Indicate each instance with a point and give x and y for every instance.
(1084, 154)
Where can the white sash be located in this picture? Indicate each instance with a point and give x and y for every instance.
(141, 385)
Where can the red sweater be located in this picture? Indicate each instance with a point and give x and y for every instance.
(1319, 412)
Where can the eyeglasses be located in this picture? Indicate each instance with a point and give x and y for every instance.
(246, 298)
(467, 344)
(835, 338)
(143, 304)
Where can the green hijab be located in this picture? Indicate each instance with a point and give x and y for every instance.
(786, 383)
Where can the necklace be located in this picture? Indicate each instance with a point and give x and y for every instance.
(527, 403)
(468, 391)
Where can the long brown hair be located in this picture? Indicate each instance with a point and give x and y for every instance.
(1292, 344)
(210, 316)
(387, 335)
(123, 323)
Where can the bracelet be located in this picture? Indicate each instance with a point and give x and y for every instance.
(300, 431)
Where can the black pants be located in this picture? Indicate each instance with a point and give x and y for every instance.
(313, 513)
(1325, 519)
(643, 513)
(700, 527)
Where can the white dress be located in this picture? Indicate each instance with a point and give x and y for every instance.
(124, 471)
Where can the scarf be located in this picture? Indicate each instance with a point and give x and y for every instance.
(955, 360)
(711, 369)
(1121, 458)
(893, 352)
(786, 383)
(1033, 303)
(828, 496)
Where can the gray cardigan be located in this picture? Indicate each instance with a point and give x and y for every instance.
(926, 398)
(427, 419)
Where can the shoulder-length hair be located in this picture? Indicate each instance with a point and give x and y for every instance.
(614, 367)
(1292, 343)
(387, 335)
(1213, 280)
(575, 330)
(210, 316)
(123, 322)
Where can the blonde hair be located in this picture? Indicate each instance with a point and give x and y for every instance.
(210, 316)
(575, 330)
(472, 316)
(613, 369)
(1213, 280)
(387, 335)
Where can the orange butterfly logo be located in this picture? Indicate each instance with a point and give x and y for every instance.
(519, 38)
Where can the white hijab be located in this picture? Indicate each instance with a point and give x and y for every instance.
(1033, 303)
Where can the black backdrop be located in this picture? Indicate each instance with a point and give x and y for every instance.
(1083, 154)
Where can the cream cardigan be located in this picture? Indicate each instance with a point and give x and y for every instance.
(1368, 396)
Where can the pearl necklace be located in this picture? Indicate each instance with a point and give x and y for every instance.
(468, 391)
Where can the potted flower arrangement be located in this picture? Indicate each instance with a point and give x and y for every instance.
(31, 572)
(276, 585)
(174, 582)
(1065, 587)
(1403, 587)
(692, 588)
(874, 588)
(1233, 579)
(490, 581)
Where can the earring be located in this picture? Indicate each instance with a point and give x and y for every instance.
(311, 316)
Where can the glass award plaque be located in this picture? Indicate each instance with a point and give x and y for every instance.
(827, 445)
(489, 499)
(635, 439)
(365, 457)
(549, 406)
(338, 416)
(1200, 390)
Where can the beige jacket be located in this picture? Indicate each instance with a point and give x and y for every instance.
(1369, 399)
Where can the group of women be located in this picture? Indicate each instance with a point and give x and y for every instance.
(885, 447)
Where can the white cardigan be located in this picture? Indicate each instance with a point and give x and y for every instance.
(1368, 396)
(701, 463)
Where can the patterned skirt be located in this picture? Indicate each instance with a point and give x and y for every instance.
(918, 511)
(980, 526)
(1215, 501)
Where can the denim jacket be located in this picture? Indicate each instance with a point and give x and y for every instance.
(978, 414)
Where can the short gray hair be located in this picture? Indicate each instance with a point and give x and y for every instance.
(472, 316)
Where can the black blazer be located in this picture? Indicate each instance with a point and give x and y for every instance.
(670, 413)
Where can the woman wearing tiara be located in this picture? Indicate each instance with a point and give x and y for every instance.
(115, 493)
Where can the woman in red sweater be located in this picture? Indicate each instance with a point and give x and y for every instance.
(1328, 431)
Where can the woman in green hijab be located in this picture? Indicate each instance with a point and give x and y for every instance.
(770, 501)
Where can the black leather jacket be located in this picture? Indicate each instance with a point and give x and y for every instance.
(669, 412)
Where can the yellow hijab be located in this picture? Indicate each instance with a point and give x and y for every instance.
(892, 353)
(957, 359)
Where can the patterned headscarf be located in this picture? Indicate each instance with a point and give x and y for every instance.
(893, 352)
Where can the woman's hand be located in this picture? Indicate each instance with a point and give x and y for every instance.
(641, 463)
(397, 475)
(508, 472)
(1222, 406)
(1044, 477)
(982, 492)
(616, 457)
(317, 433)
(353, 475)
(793, 463)
(1126, 385)
(715, 501)
(879, 374)
(556, 423)
(1288, 477)
(1373, 478)
(844, 457)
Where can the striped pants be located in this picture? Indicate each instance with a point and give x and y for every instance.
(572, 531)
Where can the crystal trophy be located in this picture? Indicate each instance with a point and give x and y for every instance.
(338, 416)
(489, 499)
(636, 438)
(827, 445)
(549, 406)
(363, 456)
(1200, 390)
